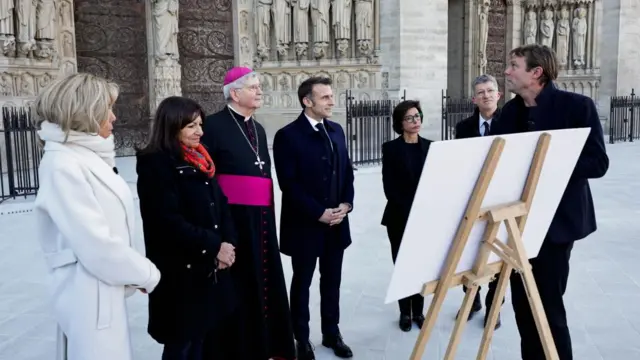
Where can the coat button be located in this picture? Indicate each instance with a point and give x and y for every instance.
(215, 226)
(180, 171)
(206, 183)
(204, 251)
(188, 266)
(211, 204)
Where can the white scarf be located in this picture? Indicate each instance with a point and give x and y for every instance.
(105, 148)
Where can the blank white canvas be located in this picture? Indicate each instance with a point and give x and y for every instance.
(446, 184)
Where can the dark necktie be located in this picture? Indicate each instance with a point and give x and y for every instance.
(325, 136)
(486, 127)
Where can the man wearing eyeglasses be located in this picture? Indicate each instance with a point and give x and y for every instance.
(485, 96)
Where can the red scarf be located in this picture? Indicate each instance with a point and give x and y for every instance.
(199, 157)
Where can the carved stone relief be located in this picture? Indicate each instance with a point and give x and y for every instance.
(166, 69)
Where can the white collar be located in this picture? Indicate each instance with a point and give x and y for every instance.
(313, 122)
(482, 120)
(246, 118)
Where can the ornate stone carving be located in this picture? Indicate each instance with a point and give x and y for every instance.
(301, 28)
(364, 27)
(46, 29)
(263, 28)
(579, 29)
(165, 29)
(546, 27)
(26, 19)
(530, 27)
(282, 23)
(66, 14)
(341, 17)
(483, 34)
(320, 23)
(7, 27)
(563, 32)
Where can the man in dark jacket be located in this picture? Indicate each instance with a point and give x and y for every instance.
(485, 96)
(539, 105)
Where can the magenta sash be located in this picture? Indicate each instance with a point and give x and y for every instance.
(247, 190)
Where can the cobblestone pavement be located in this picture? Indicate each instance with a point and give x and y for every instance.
(602, 299)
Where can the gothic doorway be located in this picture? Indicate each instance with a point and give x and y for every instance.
(205, 42)
(497, 42)
(111, 42)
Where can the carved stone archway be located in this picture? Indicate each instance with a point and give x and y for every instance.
(205, 43)
(497, 41)
(111, 42)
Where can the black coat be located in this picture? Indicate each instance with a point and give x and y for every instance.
(303, 174)
(399, 180)
(185, 219)
(557, 109)
(470, 127)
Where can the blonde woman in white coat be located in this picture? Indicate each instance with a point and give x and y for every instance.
(85, 220)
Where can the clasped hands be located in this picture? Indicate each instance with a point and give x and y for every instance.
(335, 216)
(226, 256)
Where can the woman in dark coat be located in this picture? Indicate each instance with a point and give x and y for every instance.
(189, 236)
(402, 162)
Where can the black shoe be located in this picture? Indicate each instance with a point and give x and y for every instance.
(338, 346)
(305, 351)
(419, 320)
(405, 323)
(498, 322)
(474, 310)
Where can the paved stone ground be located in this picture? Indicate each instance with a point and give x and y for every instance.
(602, 299)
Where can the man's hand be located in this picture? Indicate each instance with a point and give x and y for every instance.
(339, 213)
(226, 255)
(328, 216)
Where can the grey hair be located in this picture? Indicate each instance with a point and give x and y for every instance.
(483, 79)
(238, 84)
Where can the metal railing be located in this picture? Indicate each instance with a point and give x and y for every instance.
(20, 154)
(369, 125)
(454, 110)
(624, 120)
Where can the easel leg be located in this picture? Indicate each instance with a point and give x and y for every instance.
(496, 306)
(537, 310)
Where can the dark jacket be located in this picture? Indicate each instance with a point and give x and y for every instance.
(304, 172)
(185, 218)
(470, 127)
(399, 180)
(557, 109)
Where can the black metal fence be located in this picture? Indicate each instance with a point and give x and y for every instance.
(19, 154)
(624, 120)
(454, 110)
(369, 125)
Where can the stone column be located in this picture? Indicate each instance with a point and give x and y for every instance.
(514, 33)
(67, 38)
(162, 49)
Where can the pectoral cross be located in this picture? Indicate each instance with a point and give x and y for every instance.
(258, 163)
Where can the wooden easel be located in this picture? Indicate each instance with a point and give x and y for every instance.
(512, 255)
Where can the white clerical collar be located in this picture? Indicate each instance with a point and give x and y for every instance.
(246, 118)
(313, 122)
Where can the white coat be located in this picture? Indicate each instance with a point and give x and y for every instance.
(85, 224)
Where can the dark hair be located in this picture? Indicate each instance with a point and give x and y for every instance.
(400, 111)
(172, 115)
(306, 88)
(539, 55)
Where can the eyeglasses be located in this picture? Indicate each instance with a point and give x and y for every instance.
(413, 118)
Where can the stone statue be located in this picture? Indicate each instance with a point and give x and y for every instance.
(562, 37)
(7, 31)
(26, 16)
(281, 10)
(263, 28)
(547, 27)
(483, 34)
(364, 26)
(165, 29)
(530, 27)
(341, 17)
(579, 30)
(46, 20)
(301, 30)
(320, 23)
(65, 14)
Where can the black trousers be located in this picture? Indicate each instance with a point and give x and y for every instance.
(412, 305)
(551, 272)
(488, 300)
(303, 266)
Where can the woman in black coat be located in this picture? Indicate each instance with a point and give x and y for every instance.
(402, 162)
(190, 237)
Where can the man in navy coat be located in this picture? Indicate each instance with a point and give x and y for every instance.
(539, 105)
(316, 179)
